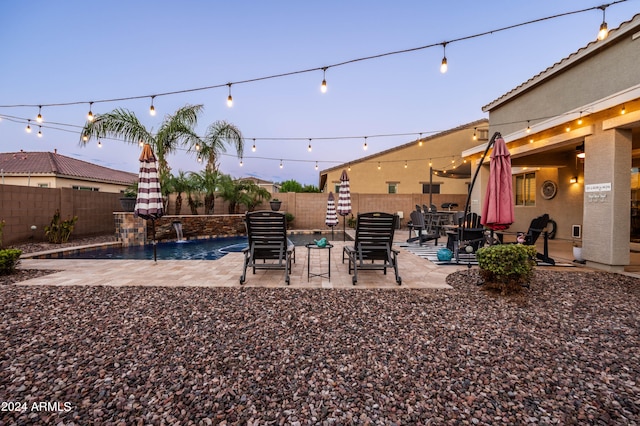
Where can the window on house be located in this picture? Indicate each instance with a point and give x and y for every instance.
(43, 185)
(85, 188)
(526, 189)
(392, 188)
(336, 188)
(431, 188)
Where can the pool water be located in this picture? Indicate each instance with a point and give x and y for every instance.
(203, 249)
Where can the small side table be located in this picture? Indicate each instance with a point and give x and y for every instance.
(313, 246)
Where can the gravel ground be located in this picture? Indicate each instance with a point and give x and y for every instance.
(563, 352)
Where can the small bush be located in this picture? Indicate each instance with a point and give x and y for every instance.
(9, 260)
(60, 230)
(506, 267)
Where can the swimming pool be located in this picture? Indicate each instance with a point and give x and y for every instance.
(202, 249)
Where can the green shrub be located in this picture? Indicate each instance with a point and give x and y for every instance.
(9, 260)
(507, 267)
(60, 230)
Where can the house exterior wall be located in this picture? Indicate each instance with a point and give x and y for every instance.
(612, 70)
(57, 182)
(366, 178)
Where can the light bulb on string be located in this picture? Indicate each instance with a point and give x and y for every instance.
(39, 117)
(443, 65)
(39, 131)
(281, 165)
(323, 86)
(199, 159)
(379, 165)
(253, 148)
(90, 113)
(528, 127)
(365, 144)
(85, 137)
(420, 140)
(349, 167)
(309, 147)
(28, 129)
(430, 163)
(580, 118)
(316, 165)
(623, 110)
(604, 31)
(405, 164)
(99, 144)
(241, 162)
(152, 109)
(229, 98)
(197, 147)
(140, 143)
(475, 135)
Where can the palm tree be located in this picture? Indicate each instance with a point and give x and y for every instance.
(214, 142)
(208, 182)
(175, 130)
(179, 185)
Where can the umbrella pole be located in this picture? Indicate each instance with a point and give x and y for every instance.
(155, 252)
(344, 229)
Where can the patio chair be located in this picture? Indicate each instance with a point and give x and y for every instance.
(420, 231)
(268, 246)
(468, 233)
(372, 246)
(536, 228)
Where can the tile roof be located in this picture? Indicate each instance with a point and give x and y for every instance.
(47, 163)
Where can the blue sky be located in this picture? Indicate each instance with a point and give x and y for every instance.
(73, 51)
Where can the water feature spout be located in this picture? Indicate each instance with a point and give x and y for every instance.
(177, 225)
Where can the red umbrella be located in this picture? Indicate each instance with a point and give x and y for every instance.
(497, 209)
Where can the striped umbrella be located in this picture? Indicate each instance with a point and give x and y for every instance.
(344, 200)
(332, 217)
(149, 204)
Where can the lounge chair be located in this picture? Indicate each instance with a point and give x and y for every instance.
(529, 238)
(423, 233)
(268, 246)
(468, 233)
(372, 246)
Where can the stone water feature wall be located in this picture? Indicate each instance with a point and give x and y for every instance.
(135, 231)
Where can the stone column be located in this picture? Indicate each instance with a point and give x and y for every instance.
(606, 220)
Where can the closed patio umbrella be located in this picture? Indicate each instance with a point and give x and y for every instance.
(332, 217)
(497, 209)
(344, 200)
(149, 205)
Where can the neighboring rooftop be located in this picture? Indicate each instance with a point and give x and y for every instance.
(52, 163)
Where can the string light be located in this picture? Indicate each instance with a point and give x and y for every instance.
(379, 165)
(253, 148)
(405, 164)
(580, 118)
(39, 117)
(229, 98)
(197, 147)
(316, 165)
(443, 65)
(85, 137)
(39, 131)
(99, 144)
(240, 161)
(365, 144)
(141, 144)
(90, 113)
(309, 147)
(281, 165)
(152, 109)
(349, 167)
(475, 136)
(199, 159)
(528, 127)
(604, 31)
(28, 129)
(323, 86)
(623, 110)
(430, 163)
(420, 143)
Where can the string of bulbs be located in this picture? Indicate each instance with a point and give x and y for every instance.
(602, 34)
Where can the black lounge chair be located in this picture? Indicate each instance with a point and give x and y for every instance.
(536, 228)
(268, 246)
(424, 233)
(372, 246)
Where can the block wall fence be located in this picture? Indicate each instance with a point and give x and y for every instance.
(22, 207)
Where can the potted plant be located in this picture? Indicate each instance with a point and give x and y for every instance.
(577, 252)
(128, 199)
(275, 204)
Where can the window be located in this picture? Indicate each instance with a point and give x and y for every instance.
(43, 185)
(336, 188)
(431, 188)
(85, 188)
(392, 188)
(526, 189)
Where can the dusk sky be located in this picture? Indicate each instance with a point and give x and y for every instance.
(73, 51)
